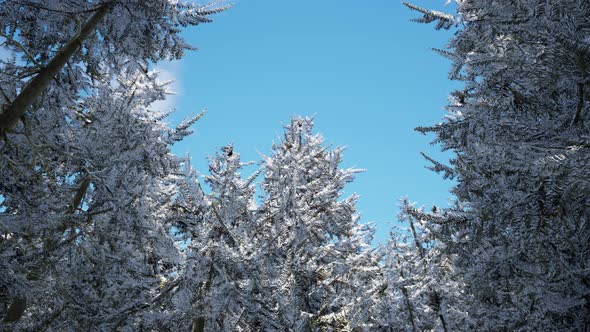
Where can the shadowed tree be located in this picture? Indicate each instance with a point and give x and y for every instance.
(518, 233)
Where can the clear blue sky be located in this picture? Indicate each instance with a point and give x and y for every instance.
(361, 67)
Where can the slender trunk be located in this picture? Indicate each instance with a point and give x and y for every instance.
(19, 305)
(580, 107)
(16, 110)
(405, 290)
(199, 322)
(434, 292)
(416, 240)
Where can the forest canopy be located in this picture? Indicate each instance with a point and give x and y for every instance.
(103, 228)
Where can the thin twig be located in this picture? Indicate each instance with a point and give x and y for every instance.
(19, 45)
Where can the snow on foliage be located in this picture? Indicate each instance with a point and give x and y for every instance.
(518, 235)
(103, 229)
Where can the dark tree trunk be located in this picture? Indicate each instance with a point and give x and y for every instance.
(16, 110)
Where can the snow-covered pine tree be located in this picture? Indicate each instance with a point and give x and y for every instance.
(216, 283)
(422, 290)
(357, 279)
(519, 231)
(396, 309)
(85, 243)
(315, 249)
(61, 56)
(60, 48)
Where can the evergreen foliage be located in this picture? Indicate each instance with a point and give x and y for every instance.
(102, 228)
(317, 251)
(85, 170)
(518, 234)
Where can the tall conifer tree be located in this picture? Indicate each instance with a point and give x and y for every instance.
(518, 234)
(315, 244)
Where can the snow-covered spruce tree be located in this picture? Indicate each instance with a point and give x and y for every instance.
(357, 279)
(422, 292)
(85, 243)
(214, 287)
(316, 253)
(61, 55)
(519, 232)
(396, 310)
(60, 48)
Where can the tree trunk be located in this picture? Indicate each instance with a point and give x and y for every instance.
(198, 324)
(403, 288)
(434, 293)
(14, 111)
